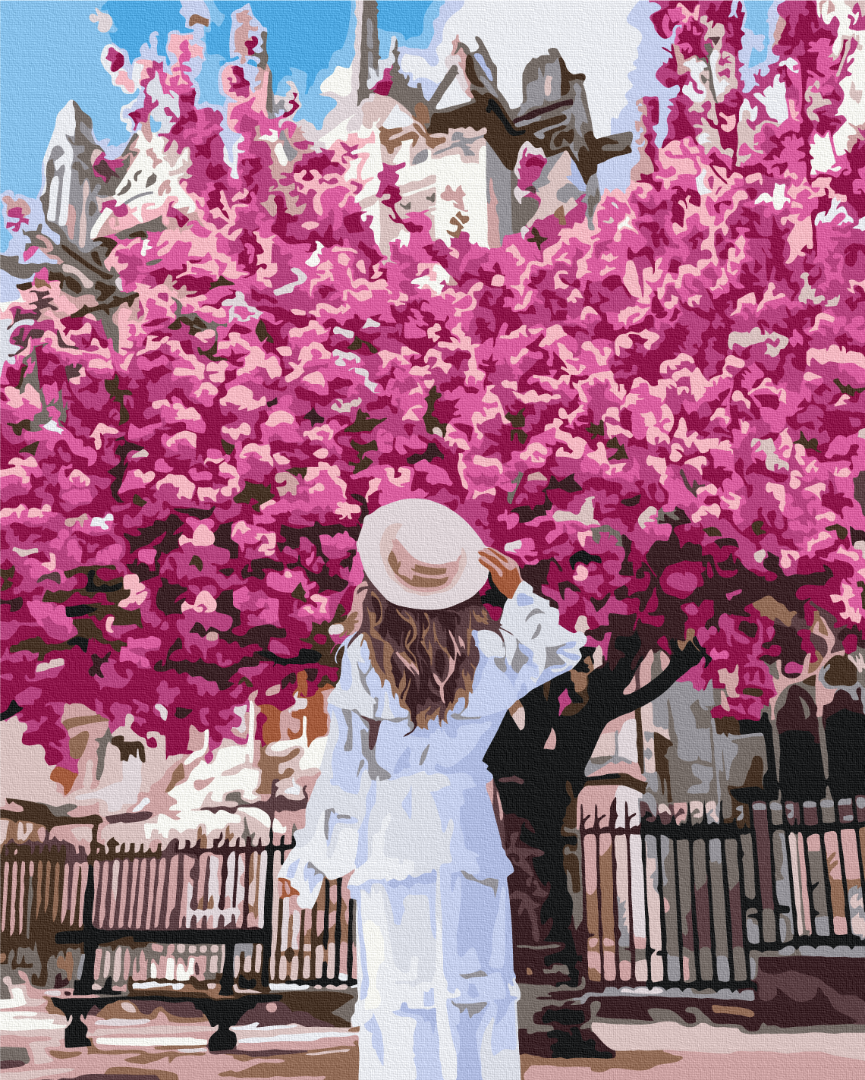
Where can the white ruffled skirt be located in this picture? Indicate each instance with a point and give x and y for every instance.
(437, 996)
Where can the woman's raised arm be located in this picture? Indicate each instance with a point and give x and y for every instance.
(531, 647)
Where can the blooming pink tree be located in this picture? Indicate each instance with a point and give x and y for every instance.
(659, 418)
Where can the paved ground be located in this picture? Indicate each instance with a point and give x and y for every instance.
(130, 1046)
(671, 1051)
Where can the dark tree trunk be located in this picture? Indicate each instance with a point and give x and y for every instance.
(531, 783)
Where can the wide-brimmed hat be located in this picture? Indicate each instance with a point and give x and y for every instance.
(419, 554)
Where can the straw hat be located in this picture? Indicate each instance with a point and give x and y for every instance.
(419, 554)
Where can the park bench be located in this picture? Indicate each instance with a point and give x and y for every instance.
(222, 1009)
(143, 917)
(222, 1012)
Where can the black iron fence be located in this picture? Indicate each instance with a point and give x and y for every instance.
(678, 898)
(683, 898)
(187, 915)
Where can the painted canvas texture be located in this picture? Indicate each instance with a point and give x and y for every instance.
(587, 277)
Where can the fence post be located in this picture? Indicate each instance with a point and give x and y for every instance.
(760, 818)
(267, 915)
(84, 985)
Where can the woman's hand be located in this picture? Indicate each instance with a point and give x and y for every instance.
(505, 572)
(287, 889)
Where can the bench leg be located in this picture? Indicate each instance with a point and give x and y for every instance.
(76, 1033)
(223, 1038)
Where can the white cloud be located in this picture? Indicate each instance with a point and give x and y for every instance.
(593, 36)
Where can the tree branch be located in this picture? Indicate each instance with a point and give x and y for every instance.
(679, 664)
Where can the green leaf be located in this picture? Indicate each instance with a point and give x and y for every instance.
(517, 421)
(116, 394)
(430, 419)
(363, 459)
(535, 237)
(254, 493)
(853, 391)
(363, 422)
(359, 343)
(195, 323)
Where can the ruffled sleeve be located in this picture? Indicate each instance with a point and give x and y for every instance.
(326, 847)
(530, 649)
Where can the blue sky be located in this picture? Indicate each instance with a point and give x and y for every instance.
(306, 39)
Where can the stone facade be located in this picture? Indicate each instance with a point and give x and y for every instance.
(455, 155)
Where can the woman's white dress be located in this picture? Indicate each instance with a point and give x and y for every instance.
(406, 810)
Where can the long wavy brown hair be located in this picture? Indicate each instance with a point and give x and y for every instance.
(428, 657)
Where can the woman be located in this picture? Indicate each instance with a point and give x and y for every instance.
(402, 801)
